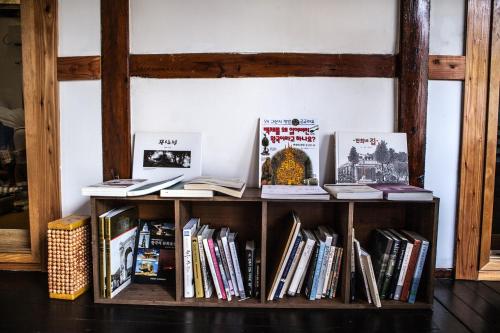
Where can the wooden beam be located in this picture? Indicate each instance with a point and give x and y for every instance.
(473, 139)
(234, 65)
(79, 68)
(41, 107)
(414, 63)
(491, 137)
(115, 85)
(443, 67)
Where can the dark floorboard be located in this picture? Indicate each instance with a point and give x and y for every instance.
(25, 307)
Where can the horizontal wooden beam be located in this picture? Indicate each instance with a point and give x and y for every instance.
(78, 68)
(233, 65)
(441, 67)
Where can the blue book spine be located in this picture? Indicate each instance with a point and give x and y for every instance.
(287, 266)
(314, 289)
(418, 272)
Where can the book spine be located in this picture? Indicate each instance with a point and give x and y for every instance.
(198, 280)
(317, 272)
(222, 271)
(227, 274)
(363, 273)
(328, 271)
(371, 279)
(311, 271)
(397, 269)
(102, 259)
(322, 272)
(331, 276)
(218, 276)
(383, 269)
(229, 262)
(418, 272)
(337, 273)
(107, 244)
(404, 269)
(301, 268)
(290, 275)
(210, 261)
(257, 276)
(188, 263)
(237, 269)
(288, 265)
(353, 273)
(250, 261)
(411, 270)
(207, 283)
(390, 270)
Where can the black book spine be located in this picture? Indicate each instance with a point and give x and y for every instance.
(397, 268)
(250, 260)
(390, 269)
(312, 269)
(257, 275)
(353, 274)
(288, 265)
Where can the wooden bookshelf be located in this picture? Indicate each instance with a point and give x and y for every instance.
(263, 221)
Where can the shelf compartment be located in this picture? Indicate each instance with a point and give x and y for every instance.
(311, 214)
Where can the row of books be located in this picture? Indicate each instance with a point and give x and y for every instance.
(310, 261)
(394, 268)
(211, 261)
(133, 250)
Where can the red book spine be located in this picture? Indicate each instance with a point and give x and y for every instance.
(405, 292)
(216, 267)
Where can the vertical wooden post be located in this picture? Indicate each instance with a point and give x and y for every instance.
(414, 64)
(115, 85)
(473, 139)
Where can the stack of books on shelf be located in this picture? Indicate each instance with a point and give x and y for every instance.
(310, 263)
(211, 262)
(393, 268)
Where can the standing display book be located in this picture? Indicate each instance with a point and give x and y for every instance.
(164, 155)
(369, 158)
(288, 151)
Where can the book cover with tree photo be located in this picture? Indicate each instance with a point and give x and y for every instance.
(368, 158)
(288, 151)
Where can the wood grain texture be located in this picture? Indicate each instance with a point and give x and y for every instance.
(115, 89)
(491, 137)
(235, 65)
(473, 140)
(41, 98)
(79, 68)
(444, 67)
(414, 64)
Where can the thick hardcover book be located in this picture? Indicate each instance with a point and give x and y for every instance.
(187, 232)
(403, 192)
(285, 142)
(362, 272)
(102, 254)
(215, 263)
(412, 264)
(198, 278)
(420, 265)
(293, 268)
(205, 270)
(236, 264)
(390, 265)
(294, 228)
(155, 258)
(225, 265)
(381, 250)
(121, 227)
(370, 277)
(225, 281)
(210, 256)
(305, 256)
(288, 266)
(354, 192)
(250, 268)
(229, 261)
(399, 262)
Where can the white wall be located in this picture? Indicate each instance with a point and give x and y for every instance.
(210, 105)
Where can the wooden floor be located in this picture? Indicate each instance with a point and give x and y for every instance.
(24, 307)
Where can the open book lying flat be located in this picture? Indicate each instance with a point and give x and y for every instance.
(128, 187)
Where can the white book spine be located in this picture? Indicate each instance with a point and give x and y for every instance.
(293, 267)
(324, 263)
(367, 263)
(188, 263)
(237, 269)
(300, 272)
(212, 268)
(328, 271)
(229, 260)
(207, 285)
(404, 269)
(363, 271)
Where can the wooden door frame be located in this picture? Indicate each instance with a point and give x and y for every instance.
(41, 107)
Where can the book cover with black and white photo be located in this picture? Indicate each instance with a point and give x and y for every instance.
(371, 158)
(162, 155)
